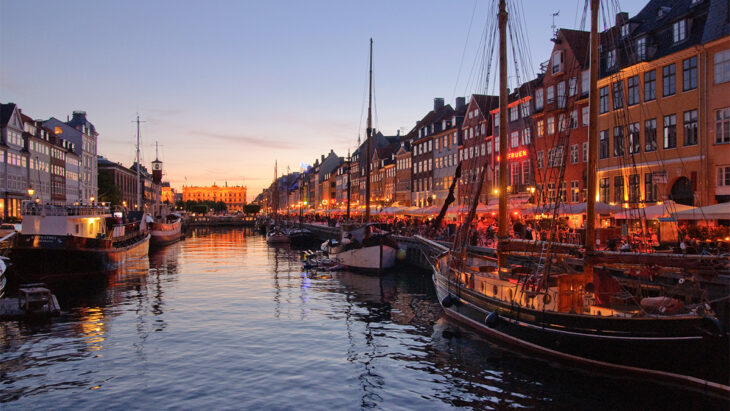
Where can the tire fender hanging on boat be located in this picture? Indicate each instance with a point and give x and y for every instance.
(448, 301)
(492, 320)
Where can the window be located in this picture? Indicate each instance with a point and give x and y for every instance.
(585, 113)
(722, 66)
(604, 189)
(563, 191)
(516, 173)
(641, 48)
(574, 154)
(573, 86)
(561, 122)
(611, 60)
(625, 30)
(540, 128)
(650, 188)
(669, 78)
(722, 126)
(650, 85)
(618, 189)
(679, 30)
(634, 188)
(561, 94)
(670, 131)
(650, 135)
(618, 141)
(526, 175)
(618, 95)
(603, 144)
(513, 113)
(633, 83)
(525, 108)
(558, 62)
(603, 100)
(540, 159)
(538, 99)
(550, 94)
(689, 76)
(526, 137)
(574, 119)
(551, 125)
(723, 176)
(585, 81)
(514, 139)
(634, 145)
(585, 152)
(690, 128)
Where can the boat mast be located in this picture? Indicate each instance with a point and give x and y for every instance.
(139, 180)
(349, 164)
(502, 232)
(369, 132)
(590, 240)
(275, 200)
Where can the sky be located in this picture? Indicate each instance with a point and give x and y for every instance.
(228, 88)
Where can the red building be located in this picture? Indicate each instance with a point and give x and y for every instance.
(561, 120)
(476, 146)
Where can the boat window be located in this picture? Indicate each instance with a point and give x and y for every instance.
(77, 228)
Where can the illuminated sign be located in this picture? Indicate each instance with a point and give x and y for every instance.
(517, 154)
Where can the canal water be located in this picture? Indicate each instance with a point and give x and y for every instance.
(223, 321)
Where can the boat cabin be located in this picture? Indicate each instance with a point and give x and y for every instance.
(64, 220)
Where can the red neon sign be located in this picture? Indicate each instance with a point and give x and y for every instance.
(517, 154)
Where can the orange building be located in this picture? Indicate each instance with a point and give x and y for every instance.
(168, 194)
(234, 197)
(658, 133)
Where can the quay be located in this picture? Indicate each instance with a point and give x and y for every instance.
(220, 221)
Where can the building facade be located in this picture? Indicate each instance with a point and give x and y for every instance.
(234, 196)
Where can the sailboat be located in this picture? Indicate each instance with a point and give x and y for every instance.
(276, 235)
(587, 319)
(360, 247)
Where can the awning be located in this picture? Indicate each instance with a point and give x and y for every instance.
(653, 212)
(720, 211)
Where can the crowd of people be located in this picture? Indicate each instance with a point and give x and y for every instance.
(485, 228)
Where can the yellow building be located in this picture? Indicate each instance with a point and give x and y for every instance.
(168, 194)
(234, 197)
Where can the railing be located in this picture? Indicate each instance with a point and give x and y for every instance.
(29, 208)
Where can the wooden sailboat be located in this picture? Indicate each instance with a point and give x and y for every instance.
(359, 247)
(589, 318)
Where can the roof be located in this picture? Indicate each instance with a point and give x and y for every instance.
(6, 111)
(579, 43)
(718, 21)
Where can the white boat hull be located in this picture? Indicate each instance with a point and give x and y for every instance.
(376, 257)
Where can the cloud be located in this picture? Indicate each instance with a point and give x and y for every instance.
(247, 140)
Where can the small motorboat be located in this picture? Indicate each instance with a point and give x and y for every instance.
(277, 236)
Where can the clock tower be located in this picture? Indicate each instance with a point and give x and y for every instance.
(156, 169)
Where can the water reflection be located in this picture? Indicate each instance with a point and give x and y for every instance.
(221, 320)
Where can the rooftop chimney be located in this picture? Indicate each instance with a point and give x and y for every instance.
(79, 114)
(460, 103)
(438, 103)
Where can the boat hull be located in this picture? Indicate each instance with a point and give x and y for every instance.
(278, 239)
(162, 234)
(675, 351)
(375, 258)
(49, 258)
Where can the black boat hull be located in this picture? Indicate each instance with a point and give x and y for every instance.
(682, 352)
(66, 257)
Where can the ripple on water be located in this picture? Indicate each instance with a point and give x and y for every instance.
(221, 320)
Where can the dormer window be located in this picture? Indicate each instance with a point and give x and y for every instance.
(558, 62)
(611, 59)
(679, 30)
(641, 48)
(625, 30)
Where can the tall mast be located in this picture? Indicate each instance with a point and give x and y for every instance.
(369, 131)
(139, 180)
(349, 164)
(275, 200)
(590, 240)
(502, 232)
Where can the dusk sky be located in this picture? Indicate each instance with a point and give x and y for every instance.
(228, 87)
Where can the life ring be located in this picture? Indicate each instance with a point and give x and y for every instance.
(546, 299)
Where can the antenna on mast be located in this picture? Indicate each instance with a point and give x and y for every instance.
(553, 27)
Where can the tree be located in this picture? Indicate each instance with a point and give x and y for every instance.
(108, 192)
(251, 208)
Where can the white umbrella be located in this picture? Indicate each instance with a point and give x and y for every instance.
(720, 211)
(652, 212)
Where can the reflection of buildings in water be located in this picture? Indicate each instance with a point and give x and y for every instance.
(235, 235)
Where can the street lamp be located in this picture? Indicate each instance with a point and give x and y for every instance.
(91, 199)
(31, 192)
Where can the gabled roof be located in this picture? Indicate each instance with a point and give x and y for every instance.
(486, 103)
(6, 112)
(579, 42)
(718, 21)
